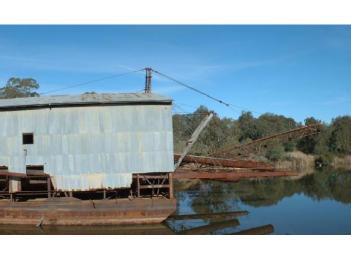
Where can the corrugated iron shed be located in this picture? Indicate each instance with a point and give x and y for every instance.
(91, 141)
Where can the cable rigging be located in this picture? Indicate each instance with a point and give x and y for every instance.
(148, 85)
(91, 81)
(229, 105)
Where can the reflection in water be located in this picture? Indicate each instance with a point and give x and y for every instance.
(315, 204)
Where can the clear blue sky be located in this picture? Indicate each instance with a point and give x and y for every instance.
(296, 71)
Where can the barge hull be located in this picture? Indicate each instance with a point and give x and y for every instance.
(70, 211)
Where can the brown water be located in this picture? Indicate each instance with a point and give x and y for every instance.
(315, 204)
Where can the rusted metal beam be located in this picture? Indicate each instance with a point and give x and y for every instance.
(49, 187)
(208, 229)
(138, 186)
(153, 186)
(255, 144)
(230, 176)
(144, 176)
(13, 174)
(170, 181)
(217, 215)
(211, 161)
(262, 230)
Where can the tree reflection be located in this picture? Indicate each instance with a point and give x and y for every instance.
(214, 196)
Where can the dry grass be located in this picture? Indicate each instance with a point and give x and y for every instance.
(342, 163)
(296, 161)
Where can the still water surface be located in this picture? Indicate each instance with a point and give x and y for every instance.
(315, 204)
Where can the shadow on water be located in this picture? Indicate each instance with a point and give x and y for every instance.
(315, 204)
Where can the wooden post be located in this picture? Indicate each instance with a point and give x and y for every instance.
(170, 181)
(14, 187)
(48, 181)
(138, 186)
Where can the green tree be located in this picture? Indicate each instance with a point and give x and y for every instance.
(269, 124)
(248, 126)
(340, 138)
(308, 144)
(17, 87)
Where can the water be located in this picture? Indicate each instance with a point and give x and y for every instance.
(315, 204)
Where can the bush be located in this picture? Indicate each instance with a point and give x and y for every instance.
(275, 153)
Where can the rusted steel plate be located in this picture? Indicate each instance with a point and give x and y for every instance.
(225, 162)
(87, 212)
(230, 176)
(262, 230)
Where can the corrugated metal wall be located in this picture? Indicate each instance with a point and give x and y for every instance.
(89, 147)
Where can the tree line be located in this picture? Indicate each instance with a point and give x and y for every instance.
(334, 139)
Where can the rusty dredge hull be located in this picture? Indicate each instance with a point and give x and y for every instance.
(71, 211)
(149, 200)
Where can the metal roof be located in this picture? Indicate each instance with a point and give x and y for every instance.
(90, 99)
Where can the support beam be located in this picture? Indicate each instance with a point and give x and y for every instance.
(194, 138)
(170, 181)
(48, 180)
(138, 185)
(230, 163)
(230, 176)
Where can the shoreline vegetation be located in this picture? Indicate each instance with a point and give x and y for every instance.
(331, 147)
(306, 163)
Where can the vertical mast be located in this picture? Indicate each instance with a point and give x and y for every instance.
(148, 78)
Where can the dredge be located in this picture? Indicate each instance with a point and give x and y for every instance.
(99, 159)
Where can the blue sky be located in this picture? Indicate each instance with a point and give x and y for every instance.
(296, 71)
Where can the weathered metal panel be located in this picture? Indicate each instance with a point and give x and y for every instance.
(89, 147)
(84, 99)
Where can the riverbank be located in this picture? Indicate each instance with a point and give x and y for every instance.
(306, 163)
